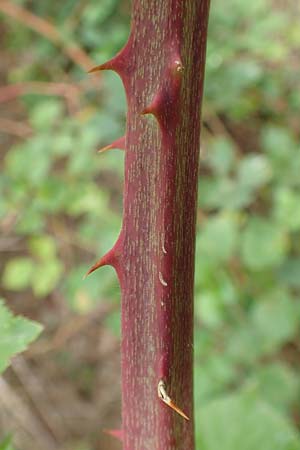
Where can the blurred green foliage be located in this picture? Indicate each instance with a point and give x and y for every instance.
(248, 271)
(63, 201)
(6, 444)
(16, 333)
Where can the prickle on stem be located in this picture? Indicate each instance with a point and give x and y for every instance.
(162, 394)
(117, 144)
(118, 434)
(112, 64)
(107, 260)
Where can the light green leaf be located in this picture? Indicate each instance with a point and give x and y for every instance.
(264, 244)
(286, 208)
(254, 171)
(223, 192)
(6, 444)
(209, 309)
(16, 333)
(220, 156)
(277, 384)
(43, 247)
(212, 375)
(17, 273)
(46, 277)
(275, 320)
(217, 240)
(289, 273)
(243, 422)
(45, 113)
(272, 322)
(244, 345)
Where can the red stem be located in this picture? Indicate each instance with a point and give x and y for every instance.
(162, 68)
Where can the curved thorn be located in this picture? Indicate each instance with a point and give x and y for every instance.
(151, 109)
(162, 394)
(99, 68)
(112, 64)
(178, 410)
(157, 106)
(117, 144)
(107, 260)
(115, 433)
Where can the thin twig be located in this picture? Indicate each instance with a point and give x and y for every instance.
(70, 329)
(14, 128)
(70, 92)
(16, 407)
(48, 30)
(38, 396)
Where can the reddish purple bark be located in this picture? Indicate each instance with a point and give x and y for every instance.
(162, 68)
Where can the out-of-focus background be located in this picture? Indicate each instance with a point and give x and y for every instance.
(60, 209)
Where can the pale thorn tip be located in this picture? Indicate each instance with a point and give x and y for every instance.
(162, 394)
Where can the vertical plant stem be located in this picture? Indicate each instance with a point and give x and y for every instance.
(162, 68)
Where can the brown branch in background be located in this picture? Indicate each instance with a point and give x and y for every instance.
(49, 31)
(28, 424)
(71, 92)
(39, 398)
(14, 128)
(71, 329)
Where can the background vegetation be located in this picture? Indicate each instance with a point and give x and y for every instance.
(60, 209)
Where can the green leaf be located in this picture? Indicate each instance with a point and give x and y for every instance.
(277, 384)
(30, 162)
(254, 171)
(244, 345)
(46, 276)
(264, 244)
(212, 375)
(216, 293)
(223, 192)
(275, 320)
(243, 422)
(209, 309)
(278, 142)
(17, 273)
(289, 273)
(286, 208)
(46, 113)
(282, 152)
(6, 443)
(43, 247)
(31, 221)
(16, 333)
(271, 323)
(220, 156)
(217, 240)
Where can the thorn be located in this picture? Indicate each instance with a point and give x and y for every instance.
(112, 64)
(115, 433)
(117, 144)
(158, 107)
(162, 394)
(121, 63)
(107, 260)
(153, 108)
(118, 63)
(178, 410)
